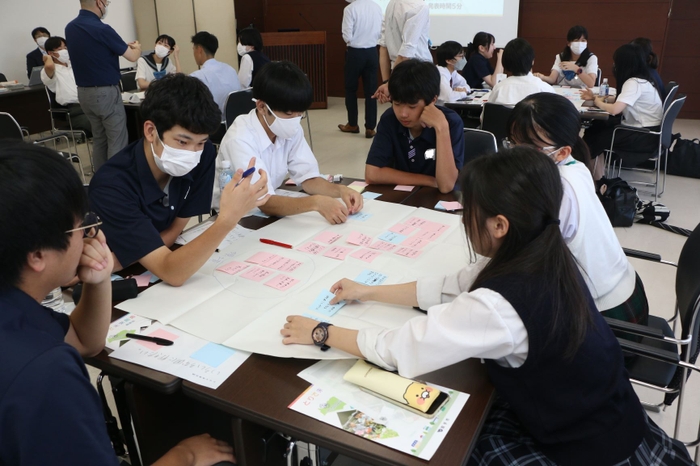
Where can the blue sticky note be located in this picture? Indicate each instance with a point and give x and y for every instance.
(212, 354)
(391, 237)
(317, 318)
(359, 216)
(370, 277)
(370, 195)
(439, 206)
(322, 304)
(116, 277)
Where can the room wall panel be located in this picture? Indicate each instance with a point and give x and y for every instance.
(176, 18)
(219, 18)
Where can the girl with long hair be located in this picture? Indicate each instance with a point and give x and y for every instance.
(478, 69)
(575, 66)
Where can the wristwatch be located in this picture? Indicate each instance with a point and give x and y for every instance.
(579, 70)
(320, 334)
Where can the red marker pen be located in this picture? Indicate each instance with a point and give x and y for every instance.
(275, 243)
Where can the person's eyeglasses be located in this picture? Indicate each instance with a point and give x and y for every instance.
(546, 150)
(90, 226)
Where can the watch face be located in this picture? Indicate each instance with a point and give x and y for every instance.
(319, 334)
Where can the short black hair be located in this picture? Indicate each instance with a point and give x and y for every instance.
(178, 99)
(645, 44)
(283, 86)
(518, 56)
(413, 80)
(207, 41)
(42, 198)
(53, 42)
(40, 30)
(447, 51)
(251, 36)
(167, 38)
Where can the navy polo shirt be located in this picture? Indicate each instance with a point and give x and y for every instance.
(133, 208)
(392, 148)
(476, 69)
(49, 411)
(94, 49)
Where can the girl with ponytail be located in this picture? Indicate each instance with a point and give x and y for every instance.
(478, 69)
(563, 395)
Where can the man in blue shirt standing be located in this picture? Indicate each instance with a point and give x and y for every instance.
(95, 48)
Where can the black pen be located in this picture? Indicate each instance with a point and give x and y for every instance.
(156, 340)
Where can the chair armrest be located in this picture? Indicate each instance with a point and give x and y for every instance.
(635, 129)
(52, 137)
(58, 110)
(636, 329)
(637, 254)
(649, 351)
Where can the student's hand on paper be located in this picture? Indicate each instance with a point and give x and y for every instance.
(333, 211)
(352, 199)
(96, 261)
(298, 330)
(432, 117)
(201, 450)
(237, 199)
(348, 290)
(382, 94)
(587, 94)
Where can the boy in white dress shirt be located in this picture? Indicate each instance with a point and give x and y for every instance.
(450, 61)
(272, 133)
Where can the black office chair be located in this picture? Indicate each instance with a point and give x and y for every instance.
(663, 361)
(61, 122)
(128, 81)
(659, 154)
(238, 103)
(9, 128)
(478, 142)
(495, 121)
(671, 90)
(599, 77)
(2, 78)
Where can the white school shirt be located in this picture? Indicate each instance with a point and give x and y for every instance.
(245, 71)
(246, 138)
(362, 24)
(62, 84)
(447, 92)
(644, 106)
(512, 90)
(221, 79)
(406, 29)
(590, 68)
(144, 71)
(459, 325)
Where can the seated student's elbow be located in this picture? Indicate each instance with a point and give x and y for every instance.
(371, 172)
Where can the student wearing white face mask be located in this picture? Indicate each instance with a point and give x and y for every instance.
(250, 45)
(146, 194)
(35, 57)
(271, 137)
(575, 66)
(450, 61)
(164, 60)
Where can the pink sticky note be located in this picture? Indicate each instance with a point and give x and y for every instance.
(434, 226)
(382, 246)
(283, 264)
(359, 184)
(327, 237)
(366, 255)
(312, 248)
(408, 252)
(402, 187)
(142, 280)
(160, 333)
(402, 229)
(260, 257)
(359, 239)
(337, 252)
(415, 222)
(233, 267)
(451, 205)
(430, 235)
(282, 282)
(257, 274)
(415, 243)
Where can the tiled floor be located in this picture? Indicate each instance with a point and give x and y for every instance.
(340, 153)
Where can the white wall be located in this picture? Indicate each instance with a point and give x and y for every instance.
(19, 17)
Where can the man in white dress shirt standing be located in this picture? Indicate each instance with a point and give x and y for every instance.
(362, 27)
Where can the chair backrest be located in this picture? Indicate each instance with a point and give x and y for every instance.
(2, 78)
(671, 90)
(478, 142)
(238, 103)
(599, 76)
(668, 119)
(495, 121)
(9, 128)
(688, 288)
(128, 81)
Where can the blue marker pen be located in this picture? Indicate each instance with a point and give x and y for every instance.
(246, 174)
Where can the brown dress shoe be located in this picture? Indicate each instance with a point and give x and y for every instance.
(369, 133)
(349, 129)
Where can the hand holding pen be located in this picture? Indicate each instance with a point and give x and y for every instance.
(241, 195)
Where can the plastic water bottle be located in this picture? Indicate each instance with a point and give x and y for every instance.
(225, 174)
(54, 300)
(604, 88)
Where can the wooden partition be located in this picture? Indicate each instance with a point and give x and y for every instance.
(307, 50)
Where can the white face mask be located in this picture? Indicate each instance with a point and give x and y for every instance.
(162, 51)
(103, 10)
(460, 64)
(284, 128)
(176, 162)
(578, 47)
(242, 49)
(41, 41)
(63, 56)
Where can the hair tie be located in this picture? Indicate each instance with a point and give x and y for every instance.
(552, 221)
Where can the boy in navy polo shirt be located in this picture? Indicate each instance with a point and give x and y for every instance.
(147, 193)
(49, 411)
(417, 142)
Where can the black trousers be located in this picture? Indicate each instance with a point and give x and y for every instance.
(361, 63)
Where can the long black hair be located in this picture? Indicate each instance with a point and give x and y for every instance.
(524, 186)
(645, 44)
(574, 33)
(481, 38)
(629, 61)
(552, 116)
